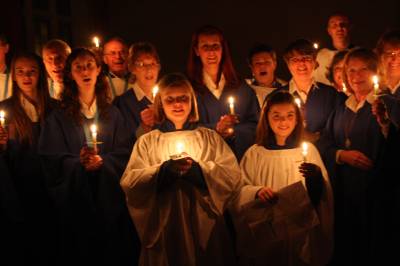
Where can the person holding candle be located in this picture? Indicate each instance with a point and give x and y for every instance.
(277, 161)
(317, 99)
(94, 224)
(214, 79)
(350, 146)
(54, 54)
(263, 62)
(136, 104)
(115, 52)
(335, 72)
(26, 208)
(179, 181)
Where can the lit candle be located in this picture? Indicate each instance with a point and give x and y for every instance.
(344, 89)
(231, 101)
(375, 80)
(93, 129)
(180, 147)
(154, 91)
(298, 102)
(2, 118)
(304, 151)
(96, 41)
(316, 46)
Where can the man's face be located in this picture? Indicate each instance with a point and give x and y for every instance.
(115, 54)
(338, 28)
(54, 61)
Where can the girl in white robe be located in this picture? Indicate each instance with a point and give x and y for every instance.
(178, 183)
(285, 208)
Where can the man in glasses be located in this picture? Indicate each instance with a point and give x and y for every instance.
(115, 53)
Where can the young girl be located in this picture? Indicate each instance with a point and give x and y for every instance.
(277, 175)
(26, 205)
(83, 169)
(178, 183)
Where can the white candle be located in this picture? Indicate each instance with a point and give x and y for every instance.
(2, 118)
(375, 80)
(304, 151)
(298, 102)
(316, 46)
(93, 129)
(231, 101)
(96, 41)
(344, 89)
(154, 91)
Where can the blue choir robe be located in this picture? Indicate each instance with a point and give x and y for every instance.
(392, 103)
(321, 101)
(94, 223)
(130, 108)
(246, 107)
(351, 185)
(29, 210)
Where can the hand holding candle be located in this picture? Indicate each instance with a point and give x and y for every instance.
(304, 151)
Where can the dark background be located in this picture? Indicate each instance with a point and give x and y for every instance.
(169, 23)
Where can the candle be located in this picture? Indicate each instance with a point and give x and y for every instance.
(298, 102)
(93, 129)
(2, 118)
(96, 41)
(344, 89)
(231, 101)
(375, 80)
(304, 151)
(180, 147)
(316, 45)
(154, 91)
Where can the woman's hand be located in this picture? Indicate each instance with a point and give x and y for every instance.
(147, 117)
(225, 125)
(90, 160)
(266, 194)
(310, 170)
(356, 159)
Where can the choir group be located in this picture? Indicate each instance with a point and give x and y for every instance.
(103, 162)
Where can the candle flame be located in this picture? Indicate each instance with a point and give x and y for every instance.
(298, 102)
(96, 41)
(304, 146)
(344, 87)
(2, 114)
(231, 100)
(375, 79)
(155, 91)
(316, 45)
(93, 129)
(179, 147)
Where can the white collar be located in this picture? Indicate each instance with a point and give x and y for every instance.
(139, 93)
(354, 106)
(29, 109)
(214, 88)
(89, 111)
(293, 88)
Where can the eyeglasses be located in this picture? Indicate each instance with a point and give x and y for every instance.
(211, 47)
(122, 54)
(179, 99)
(303, 59)
(142, 65)
(391, 54)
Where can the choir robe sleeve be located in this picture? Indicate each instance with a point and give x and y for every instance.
(150, 210)
(392, 103)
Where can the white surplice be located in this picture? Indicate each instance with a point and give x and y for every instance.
(305, 237)
(183, 225)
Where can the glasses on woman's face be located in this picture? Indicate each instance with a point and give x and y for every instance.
(179, 99)
(301, 59)
(210, 47)
(142, 65)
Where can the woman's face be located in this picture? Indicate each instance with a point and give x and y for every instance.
(177, 104)
(146, 70)
(391, 60)
(209, 49)
(301, 66)
(84, 72)
(359, 76)
(26, 75)
(282, 120)
(338, 75)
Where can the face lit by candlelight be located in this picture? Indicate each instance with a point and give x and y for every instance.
(209, 49)
(338, 75)
(26, 73)
(301, 66)
(338, 28)
(84, 72)
(263, 66)
(176, 103)
(391, 61)
(146, 69)
(54, 61)
(115, 54)
(359, 76)
(282, 120)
